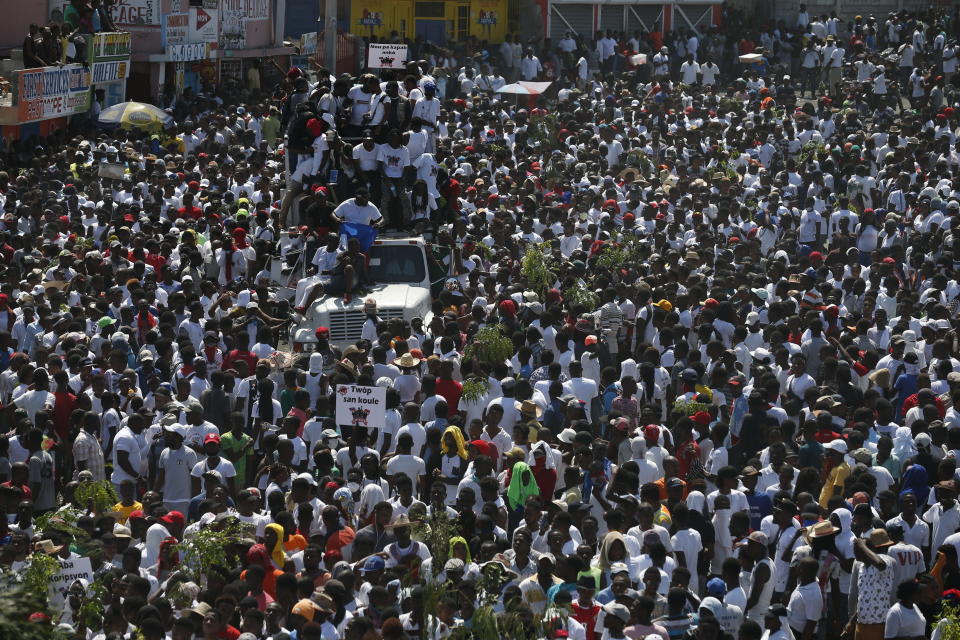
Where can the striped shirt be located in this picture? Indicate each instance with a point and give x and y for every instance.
(86, 449)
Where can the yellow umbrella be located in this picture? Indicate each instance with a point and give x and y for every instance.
(135, 115)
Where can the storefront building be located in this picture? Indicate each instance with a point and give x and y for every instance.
(434, 21)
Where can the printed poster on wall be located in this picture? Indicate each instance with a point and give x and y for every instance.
(386, 56)
(51, 92)
(361, 406)
(204, 23)
(136, 14)
(176, 27)
(233, 28)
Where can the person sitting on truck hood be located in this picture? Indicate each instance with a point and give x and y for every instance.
(350, 272)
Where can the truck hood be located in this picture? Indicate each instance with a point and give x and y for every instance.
(389, 296)
(393, 300)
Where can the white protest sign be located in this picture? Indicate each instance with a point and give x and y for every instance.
(70, 572)
(386, 56)
(361, 406)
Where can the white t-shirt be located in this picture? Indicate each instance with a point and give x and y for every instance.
(350, 211)
(904, 623)
(409, 465)
(177, 465)
(366, 159)
(688, 72)
(806, 603)
(133, 444)
(394, 160)
(225, 467)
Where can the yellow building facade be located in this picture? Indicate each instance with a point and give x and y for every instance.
(436, 21)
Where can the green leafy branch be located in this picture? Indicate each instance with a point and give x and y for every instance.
(101, 493)
(40, 571)
(207, 550)
(537, 268)
(474, 389)
(489, 345)
(17, 602)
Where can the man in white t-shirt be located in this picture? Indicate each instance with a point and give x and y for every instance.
(358, 210)
(689, 70)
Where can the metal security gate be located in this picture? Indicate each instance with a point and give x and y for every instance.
(576, 18)
(613, 17)
(698, 17)
(643, 18)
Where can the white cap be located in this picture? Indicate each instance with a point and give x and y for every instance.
(316, 363)
(753, 318)
(836, 445)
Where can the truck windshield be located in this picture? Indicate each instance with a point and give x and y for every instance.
(396, 264)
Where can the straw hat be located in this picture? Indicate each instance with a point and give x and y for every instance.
(821, 530)
(406, 361)
(531, 409)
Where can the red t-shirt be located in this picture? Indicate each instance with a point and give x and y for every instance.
(451, 391)
(193, 212)
(64, 404)
(586, 617)
(237, 354)
(230, 633)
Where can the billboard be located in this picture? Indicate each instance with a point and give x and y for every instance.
(176, 28)
(52, 92)
(136, 14)
(204, 24)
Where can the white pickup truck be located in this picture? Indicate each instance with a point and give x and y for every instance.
(400, 275)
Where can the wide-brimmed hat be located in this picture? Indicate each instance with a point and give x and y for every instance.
(531, 408)
(879, 539)
(821, 530)
(402, 521)
(406, 361)
(48, 547)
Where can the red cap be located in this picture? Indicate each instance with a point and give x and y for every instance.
(701, 418)
(889, 260)
(211, 437)
(629, 217)
(651, 431)
(734, 382)
(175, 517)
(193, 184)
(590, 340)
(710, 303)
(816, 255)
(322, 332)
(136, 513)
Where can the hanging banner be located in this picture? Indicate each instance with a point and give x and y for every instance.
(109, 71)
(361, 406)
(188, 52)
(51, 92)
(111, 46)
(176, 28)
(386, 56)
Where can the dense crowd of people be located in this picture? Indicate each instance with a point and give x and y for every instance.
(691, 368)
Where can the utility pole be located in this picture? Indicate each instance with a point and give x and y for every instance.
(330, 35)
